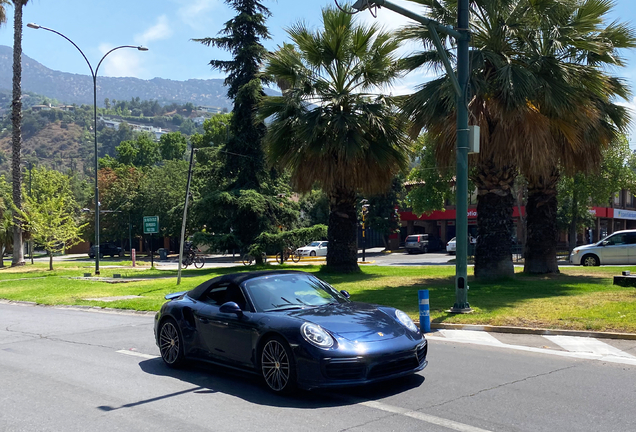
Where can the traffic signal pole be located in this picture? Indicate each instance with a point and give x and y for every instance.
(460, 84)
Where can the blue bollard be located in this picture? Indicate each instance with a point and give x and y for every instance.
(425, 313)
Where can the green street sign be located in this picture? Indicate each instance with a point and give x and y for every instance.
(151, 224)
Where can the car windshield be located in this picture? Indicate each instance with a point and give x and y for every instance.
(314, 244)
(291, 291)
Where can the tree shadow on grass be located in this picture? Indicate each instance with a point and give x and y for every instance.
(488, 296)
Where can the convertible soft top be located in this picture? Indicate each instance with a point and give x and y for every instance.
(237, 278)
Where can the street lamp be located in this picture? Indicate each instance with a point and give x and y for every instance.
(94, 75)
(460, 84)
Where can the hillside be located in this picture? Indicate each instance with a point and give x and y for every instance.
(59, 144)
(74, 88)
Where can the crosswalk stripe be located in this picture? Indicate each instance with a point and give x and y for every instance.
(623, 358)
(470, 336)
(587, 345)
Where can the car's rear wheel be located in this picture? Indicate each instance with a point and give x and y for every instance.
(170, 344)
(590, 260)
(277, 366)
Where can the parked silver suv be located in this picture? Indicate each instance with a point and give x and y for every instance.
(416, 243)
(617, 248)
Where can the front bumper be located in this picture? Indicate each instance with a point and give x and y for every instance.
(347, 371)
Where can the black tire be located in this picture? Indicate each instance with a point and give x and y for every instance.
(101, 255)
(171, 343)
(278, 367)
(247, 259)
(279, 258)
(425, 250)
(295, 257)
(590, 260)
(312, 253)
(198, 262)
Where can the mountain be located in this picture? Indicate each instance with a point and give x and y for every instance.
(74, 88)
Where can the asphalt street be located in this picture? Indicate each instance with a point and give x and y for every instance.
(70, 369)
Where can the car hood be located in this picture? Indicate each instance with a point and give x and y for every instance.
(583, 247)
(356, 322)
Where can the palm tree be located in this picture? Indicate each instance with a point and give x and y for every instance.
(542, 101)
(16, 121)
(327, 127)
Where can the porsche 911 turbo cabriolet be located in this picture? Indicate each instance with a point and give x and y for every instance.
(291, 328)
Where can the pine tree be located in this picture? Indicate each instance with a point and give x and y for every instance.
(242, 198)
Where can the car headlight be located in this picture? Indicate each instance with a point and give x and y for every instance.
(574, 252)
(316, 335)
(405, 320)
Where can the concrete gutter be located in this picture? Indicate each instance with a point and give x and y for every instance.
(534, 331)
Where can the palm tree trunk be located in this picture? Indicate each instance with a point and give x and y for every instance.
(342, 253)
(16, 121)
(495, 202)
(541, 209)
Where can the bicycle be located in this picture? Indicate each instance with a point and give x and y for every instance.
(248, 259)
(287, 254)
(193, 259)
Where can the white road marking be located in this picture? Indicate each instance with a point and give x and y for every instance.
(460, 427)
(581, 355)
(470, 336)
(423, 417)
(137, 354)
(588, 345)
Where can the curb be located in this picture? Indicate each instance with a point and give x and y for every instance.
(535, 331)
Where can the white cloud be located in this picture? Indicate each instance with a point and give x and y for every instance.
(121, 63)
(160, 30)
(197, 13)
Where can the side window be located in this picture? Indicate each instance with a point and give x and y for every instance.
(616, 240)
(630, 238)
(234, 294)
(216, 294)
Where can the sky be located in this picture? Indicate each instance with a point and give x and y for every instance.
(166, 27)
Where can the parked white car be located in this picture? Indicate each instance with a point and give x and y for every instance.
(317, 248)
(451, 246)
(617, 248)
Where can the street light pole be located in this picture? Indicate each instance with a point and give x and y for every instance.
(460, 84)
(94, 75)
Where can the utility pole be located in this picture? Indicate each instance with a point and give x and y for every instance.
(460, 84)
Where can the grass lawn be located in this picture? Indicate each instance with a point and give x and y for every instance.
(580, 298)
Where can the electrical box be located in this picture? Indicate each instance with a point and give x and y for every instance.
(473, 139)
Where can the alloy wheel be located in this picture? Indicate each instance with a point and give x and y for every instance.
(275, 365)
(170, 343)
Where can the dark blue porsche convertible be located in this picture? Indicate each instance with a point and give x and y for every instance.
(290, 327)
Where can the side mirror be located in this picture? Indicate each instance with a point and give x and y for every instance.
(231, 307)
(605, 243)
(345, 293)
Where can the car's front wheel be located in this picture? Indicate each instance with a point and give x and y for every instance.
(170, 344)
(277, 366)
(312, 253)
(590, 260)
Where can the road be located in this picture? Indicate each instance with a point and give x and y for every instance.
(68, 369)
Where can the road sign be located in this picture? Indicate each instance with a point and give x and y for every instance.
(151, 224)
